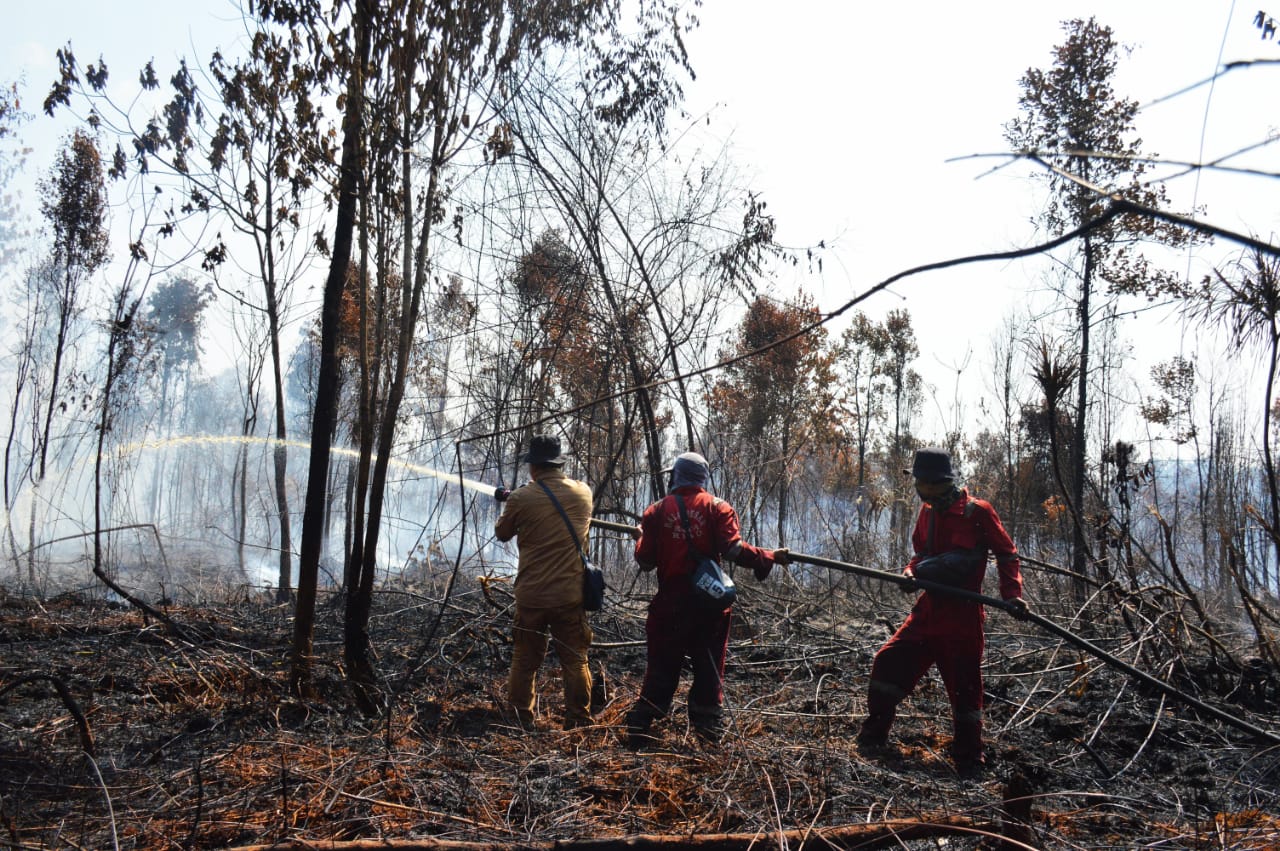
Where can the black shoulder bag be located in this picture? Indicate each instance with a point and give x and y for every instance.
(592, 576)
(954, 567)
(712, 587)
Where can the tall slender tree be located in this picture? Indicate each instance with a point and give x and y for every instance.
(174, 315)
(1072, 119)
(776, 407)
(1245, 297)
(363, 20)
(863, 348)
(256, 163)
(904, 393)
(13, 156)
(75, 208)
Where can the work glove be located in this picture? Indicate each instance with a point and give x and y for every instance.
(501, 494)
(1017, 607)
(635, 533)
(782, 555)
(904, 587)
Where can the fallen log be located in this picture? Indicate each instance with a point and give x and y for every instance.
(864, 837)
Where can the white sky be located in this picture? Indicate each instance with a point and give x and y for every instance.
(845, 114)
(849, 113)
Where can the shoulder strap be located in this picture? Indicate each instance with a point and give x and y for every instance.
(684, 518)
(970, 507)
(567, 523)
(970, 510)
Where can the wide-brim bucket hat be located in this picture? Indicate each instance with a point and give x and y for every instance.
(932, 465)
(545, 449)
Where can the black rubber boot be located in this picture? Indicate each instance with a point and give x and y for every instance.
(708, 722)
(639, 724)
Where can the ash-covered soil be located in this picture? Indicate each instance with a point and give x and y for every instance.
(116, 733)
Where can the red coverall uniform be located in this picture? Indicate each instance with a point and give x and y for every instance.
(944, 631)
(678, 625)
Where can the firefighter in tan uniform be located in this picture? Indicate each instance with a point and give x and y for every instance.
(548, 588)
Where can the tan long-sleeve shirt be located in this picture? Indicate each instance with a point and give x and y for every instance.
(549, 572)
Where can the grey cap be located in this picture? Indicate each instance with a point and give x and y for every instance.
(689, 468)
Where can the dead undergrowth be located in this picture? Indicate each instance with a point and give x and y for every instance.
(116, 734)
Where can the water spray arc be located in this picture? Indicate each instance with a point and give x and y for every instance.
(270, 442)
(409, 473)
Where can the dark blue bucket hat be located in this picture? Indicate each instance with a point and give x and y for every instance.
(544, 449)
(931, 465)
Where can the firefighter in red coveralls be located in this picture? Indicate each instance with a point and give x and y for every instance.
(678, 625)
(941, 630)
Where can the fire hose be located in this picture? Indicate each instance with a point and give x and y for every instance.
(1040, 621)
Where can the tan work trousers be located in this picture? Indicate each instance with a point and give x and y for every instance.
(572, 634)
